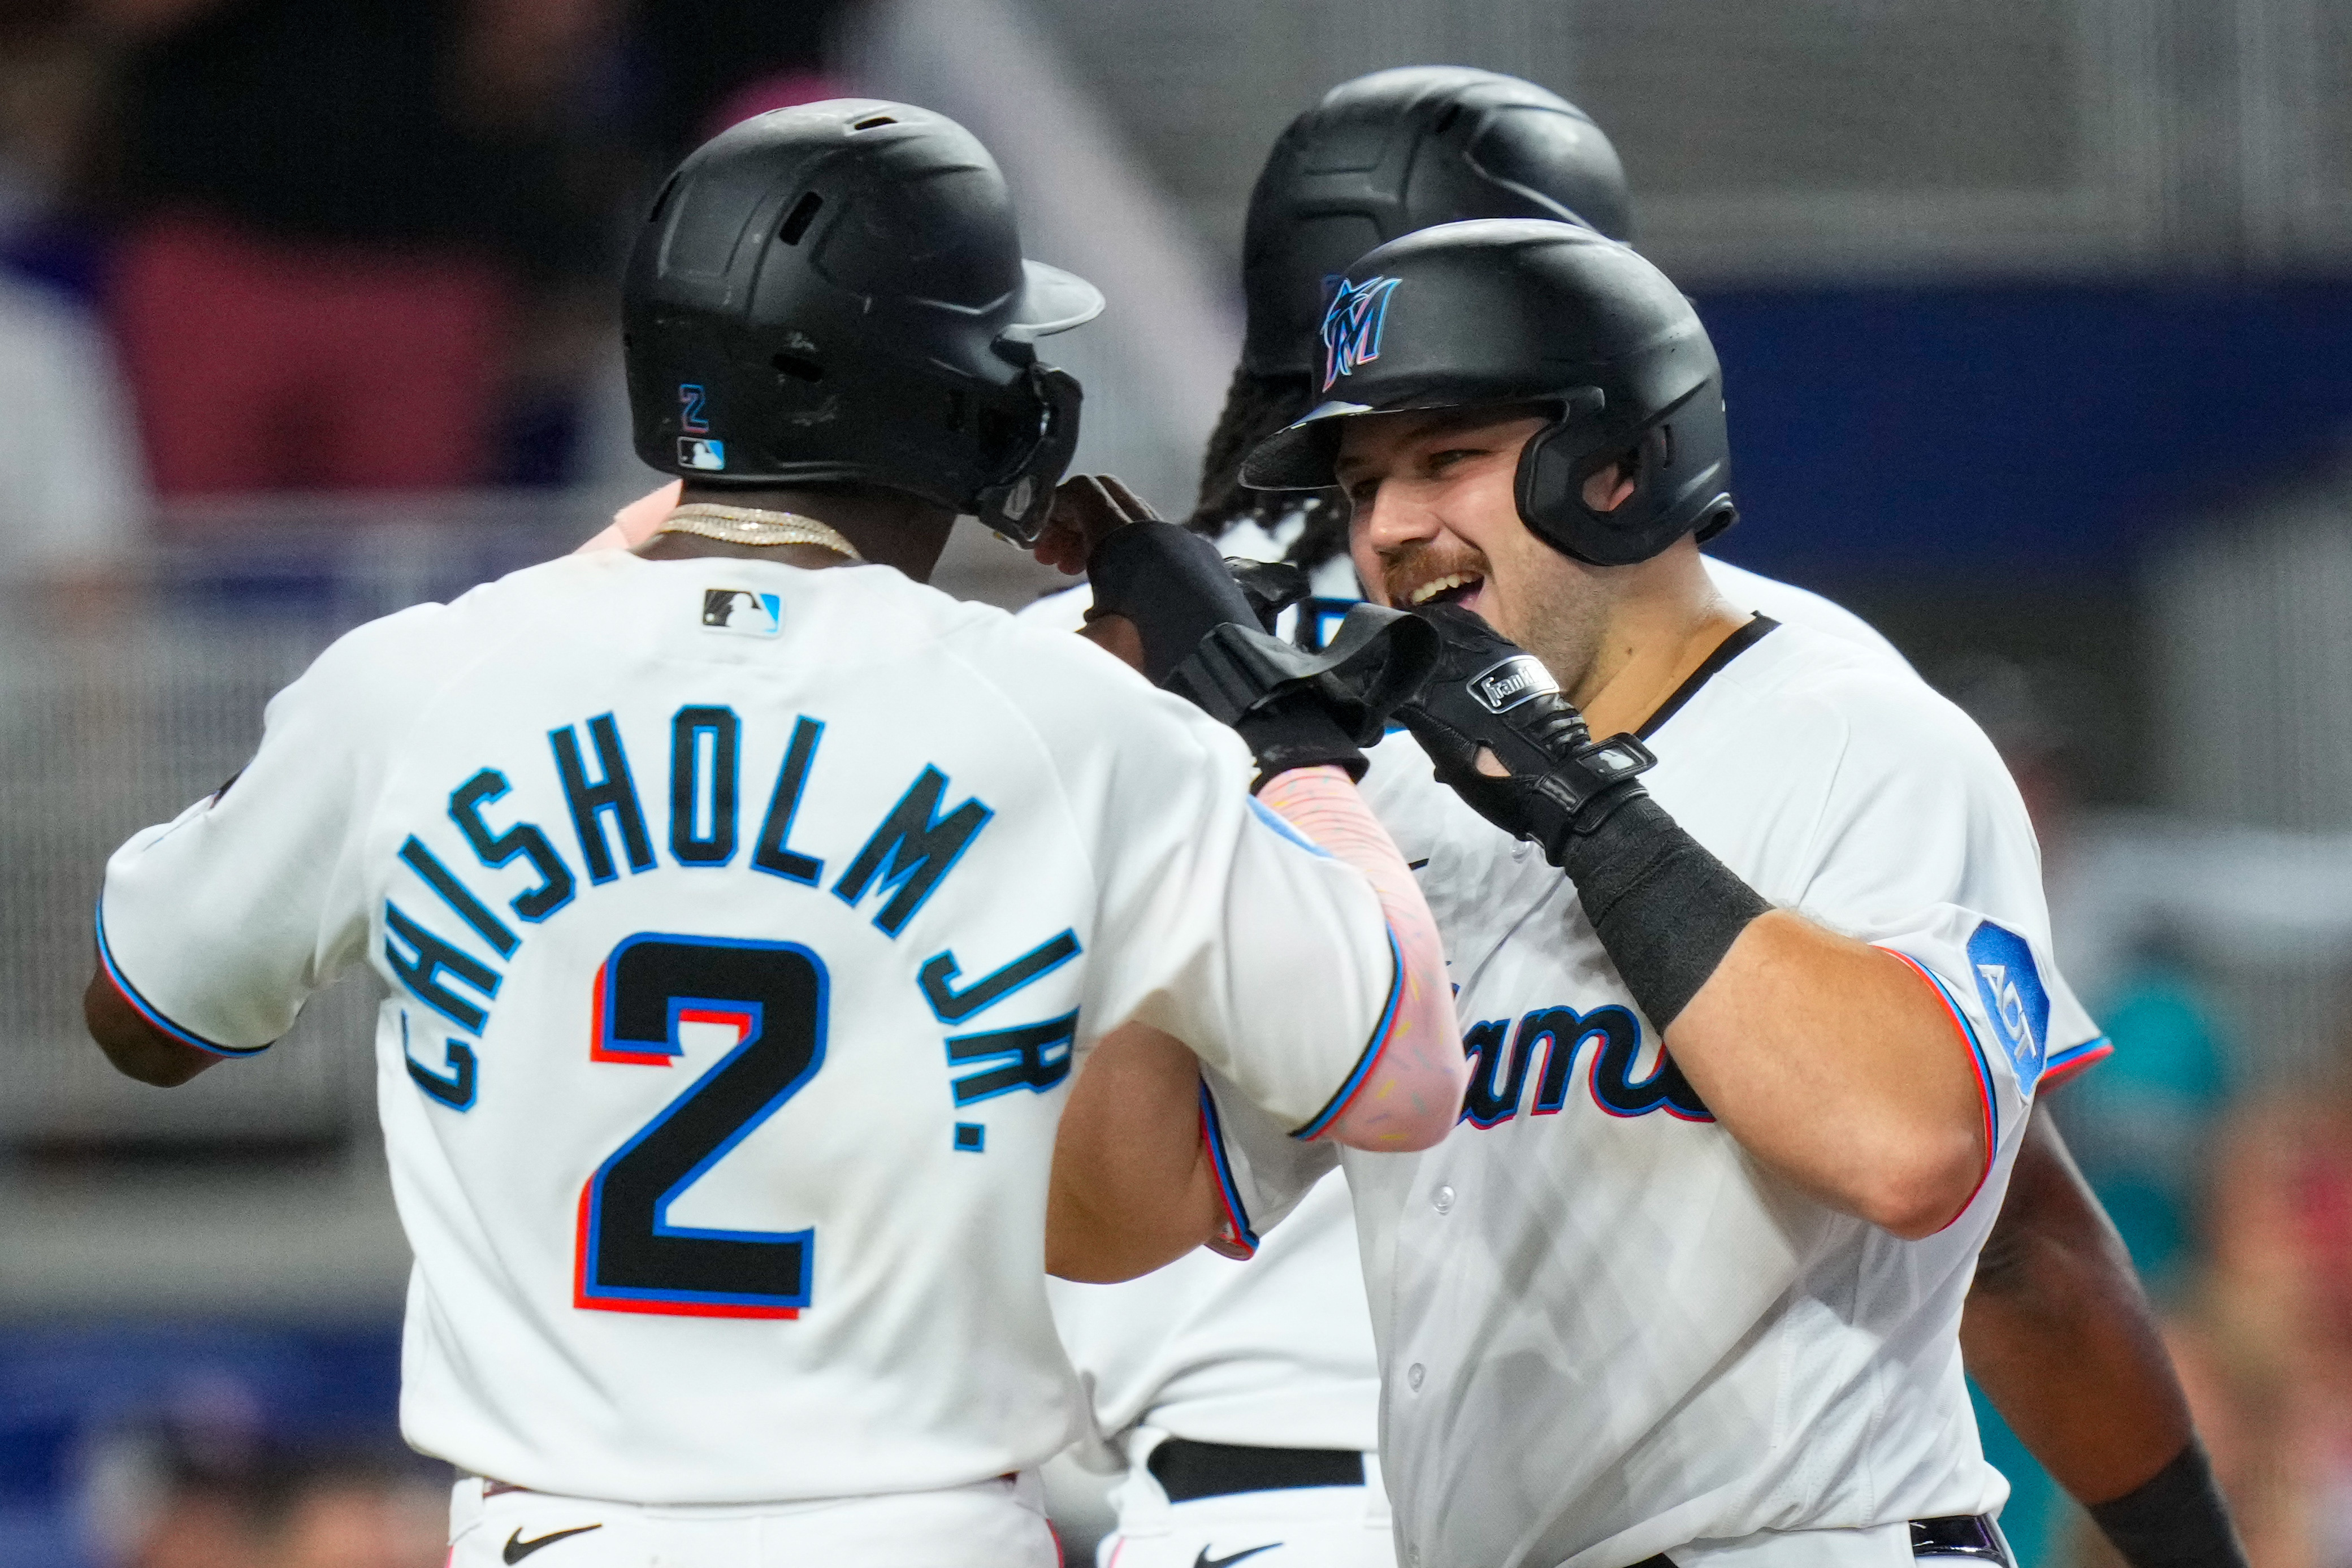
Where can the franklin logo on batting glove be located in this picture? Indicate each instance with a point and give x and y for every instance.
(1511, 682)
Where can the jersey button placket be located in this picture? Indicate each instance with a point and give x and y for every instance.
(1443, 1200)
(1412, 1377)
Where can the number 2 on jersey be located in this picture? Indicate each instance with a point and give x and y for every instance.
(631, 1259)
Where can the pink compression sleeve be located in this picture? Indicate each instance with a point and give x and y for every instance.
(1411, 1094)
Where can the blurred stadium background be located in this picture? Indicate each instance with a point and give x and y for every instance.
(2037, 319)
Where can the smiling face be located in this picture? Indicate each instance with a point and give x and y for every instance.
(1436, 518)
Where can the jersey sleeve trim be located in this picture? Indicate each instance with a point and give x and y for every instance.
(2066, 1066)
(1967, 1034)
(149, 1011)
(1382, 1033)
(1281, 825)
(1235, 1239)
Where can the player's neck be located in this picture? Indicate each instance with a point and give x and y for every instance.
(1657, 632)
(887, 527)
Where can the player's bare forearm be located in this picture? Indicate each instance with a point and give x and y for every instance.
(1838, 1066)
(1413, 1096)
(1131, 1185)
(2061, 1337)
(137, 1048)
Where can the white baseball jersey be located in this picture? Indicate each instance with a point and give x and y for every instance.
(1276, 1353)
(1606, 1333)
(1279, 1353)
(742, 924)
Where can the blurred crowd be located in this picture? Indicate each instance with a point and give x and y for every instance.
(265, 1508)
(252, 246)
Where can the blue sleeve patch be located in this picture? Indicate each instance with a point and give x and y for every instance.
(2013, 996)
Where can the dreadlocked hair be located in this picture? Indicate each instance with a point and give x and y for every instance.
(1255, 408)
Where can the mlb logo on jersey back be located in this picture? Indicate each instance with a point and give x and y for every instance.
(742, 612)
(2011, 987)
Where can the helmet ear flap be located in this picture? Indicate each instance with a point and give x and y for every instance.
(1016, 506)
(1553, 466)
(1559, 458)
(1548, 484)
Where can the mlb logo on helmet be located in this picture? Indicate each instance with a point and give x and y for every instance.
(700, 452)
(1506, 685)
(2010, 986)
(1352, 327)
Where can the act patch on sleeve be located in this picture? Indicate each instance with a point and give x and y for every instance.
(2013, 995)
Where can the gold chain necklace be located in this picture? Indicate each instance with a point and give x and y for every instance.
(751, 525)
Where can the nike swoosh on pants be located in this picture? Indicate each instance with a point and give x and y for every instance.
(517, 1547)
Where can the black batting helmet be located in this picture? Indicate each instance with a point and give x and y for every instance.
(1513, 310)
(1401, 150)
(836, 292)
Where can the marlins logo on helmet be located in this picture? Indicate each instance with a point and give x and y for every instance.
(1351, 328)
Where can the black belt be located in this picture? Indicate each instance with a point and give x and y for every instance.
(1187, 1470)
(1956, 1535)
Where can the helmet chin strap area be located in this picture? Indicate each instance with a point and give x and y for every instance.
(1016, 507)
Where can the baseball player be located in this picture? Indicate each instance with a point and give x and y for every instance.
(1233, 1398)
(745, 905)
(1759, 984)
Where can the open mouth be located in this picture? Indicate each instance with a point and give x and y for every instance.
(1453, 588)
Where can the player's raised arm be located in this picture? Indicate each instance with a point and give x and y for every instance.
(1836, 1063)
(1195, 631)
(1136, 1183)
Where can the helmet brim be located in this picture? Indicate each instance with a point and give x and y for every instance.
(1302, 455)
(1052, 300)
(1299, 456)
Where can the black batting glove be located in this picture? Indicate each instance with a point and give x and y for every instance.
(1272, 586)
(1173, 585)
(1206, 625)
(1177, 590)
(1543, 778)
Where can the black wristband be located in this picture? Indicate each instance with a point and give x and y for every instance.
(1297, 731)
(1665, 909)
(2175, 1520)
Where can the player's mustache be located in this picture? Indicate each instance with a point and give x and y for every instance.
(1410, 565)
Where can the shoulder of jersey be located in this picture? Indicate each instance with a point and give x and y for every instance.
(1067, 688)
(558, 591)
(1057, 676)
(589, 598)
(1816, 688)
(1792, 605)
(1063, 610)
